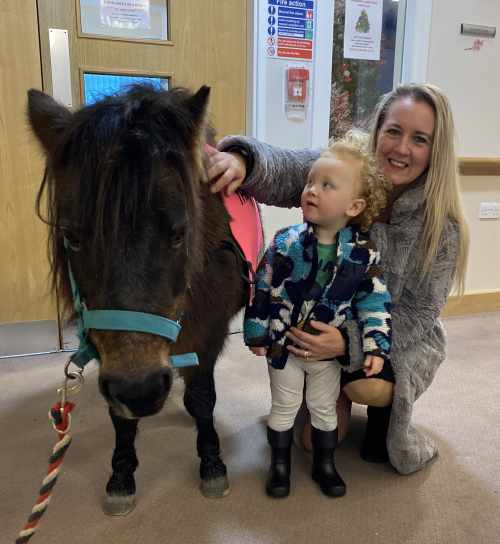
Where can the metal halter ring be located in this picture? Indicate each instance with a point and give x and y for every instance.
(74, 375)
(68, 389)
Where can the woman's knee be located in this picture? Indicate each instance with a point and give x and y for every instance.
(373, 392)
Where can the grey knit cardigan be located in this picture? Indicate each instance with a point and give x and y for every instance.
(277, 177)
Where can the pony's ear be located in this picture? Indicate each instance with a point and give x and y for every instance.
(197, 104)
(47, 118)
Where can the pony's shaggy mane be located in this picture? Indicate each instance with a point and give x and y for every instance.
(116, 151)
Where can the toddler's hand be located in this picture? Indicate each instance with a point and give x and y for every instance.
(372, 365)
(258, 351)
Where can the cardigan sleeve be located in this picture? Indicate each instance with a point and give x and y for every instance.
(418, 307)
(422, 300)
(277, 176)
(372, 303)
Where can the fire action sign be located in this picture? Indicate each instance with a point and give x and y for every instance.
(290, 29)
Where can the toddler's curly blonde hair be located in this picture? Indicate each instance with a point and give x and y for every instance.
(374, 187)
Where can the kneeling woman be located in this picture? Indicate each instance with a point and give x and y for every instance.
(423, 241)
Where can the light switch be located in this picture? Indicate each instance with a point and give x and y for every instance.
(489, 210)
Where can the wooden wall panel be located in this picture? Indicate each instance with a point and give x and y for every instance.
(23, 262)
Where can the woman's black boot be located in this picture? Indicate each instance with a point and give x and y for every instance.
(374, 448)
(278, 481)
(324, 471)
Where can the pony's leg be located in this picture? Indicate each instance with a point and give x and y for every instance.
(199, 400)
(120, 490)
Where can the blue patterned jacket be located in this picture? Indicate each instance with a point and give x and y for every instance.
(286, 279)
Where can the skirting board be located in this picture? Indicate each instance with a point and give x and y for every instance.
(474, 303)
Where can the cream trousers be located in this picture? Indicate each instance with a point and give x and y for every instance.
(322, 380)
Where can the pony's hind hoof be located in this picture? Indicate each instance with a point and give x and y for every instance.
(215, 488)
(118, 505)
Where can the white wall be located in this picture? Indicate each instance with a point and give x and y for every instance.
(471, 79)
(483, 273)
(269, 123)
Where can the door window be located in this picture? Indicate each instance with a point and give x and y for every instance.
(98, 86)
(357, 84)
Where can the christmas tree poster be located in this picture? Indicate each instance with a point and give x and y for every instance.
(363, 29)
(363, 24)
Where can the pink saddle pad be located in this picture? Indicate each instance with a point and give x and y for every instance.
(246, 226)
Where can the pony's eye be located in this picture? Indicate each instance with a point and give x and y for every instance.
(177, 236)
(177, 241)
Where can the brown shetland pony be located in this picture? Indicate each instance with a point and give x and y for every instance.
(125, 185)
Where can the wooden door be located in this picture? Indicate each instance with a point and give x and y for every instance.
(28, 316)
(206, 44)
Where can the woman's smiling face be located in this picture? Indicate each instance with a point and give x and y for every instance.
(404, 140)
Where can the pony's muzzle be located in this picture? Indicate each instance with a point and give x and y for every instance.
(137, 398)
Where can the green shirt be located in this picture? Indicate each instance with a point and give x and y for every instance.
(327, 254)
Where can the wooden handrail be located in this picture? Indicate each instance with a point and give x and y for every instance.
(479, 166)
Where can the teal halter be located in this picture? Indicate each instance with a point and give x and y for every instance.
(119, 320)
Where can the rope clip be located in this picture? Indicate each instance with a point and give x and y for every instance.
(68, 389)
(64, 392)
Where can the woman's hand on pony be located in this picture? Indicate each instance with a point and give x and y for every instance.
(225, 170)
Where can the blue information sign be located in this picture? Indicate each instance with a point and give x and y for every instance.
(289, 12)
(291, 23)
(291, 32)
(301, 4)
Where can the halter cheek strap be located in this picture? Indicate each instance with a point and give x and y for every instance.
(119, 320)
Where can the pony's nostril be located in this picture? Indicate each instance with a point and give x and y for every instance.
(142, 397)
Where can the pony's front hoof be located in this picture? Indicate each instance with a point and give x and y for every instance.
(214, 483)
(215, 488)
(120, 495)
(118, 505)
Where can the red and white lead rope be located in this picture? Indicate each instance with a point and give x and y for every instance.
(60, 414)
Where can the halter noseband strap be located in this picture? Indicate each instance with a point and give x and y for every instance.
(119, 320)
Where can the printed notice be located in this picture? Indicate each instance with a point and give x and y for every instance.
(363, 29)
(290, 29)
(131, 14)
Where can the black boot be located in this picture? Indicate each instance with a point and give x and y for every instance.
(374, 448)
(278, 481)
(324, 471)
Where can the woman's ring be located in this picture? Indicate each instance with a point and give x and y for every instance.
(306, 355)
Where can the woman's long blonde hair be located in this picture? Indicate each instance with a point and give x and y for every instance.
(442, 189)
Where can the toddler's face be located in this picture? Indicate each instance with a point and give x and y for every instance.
(331, 191)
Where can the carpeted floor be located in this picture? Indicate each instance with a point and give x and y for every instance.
(455, 500)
